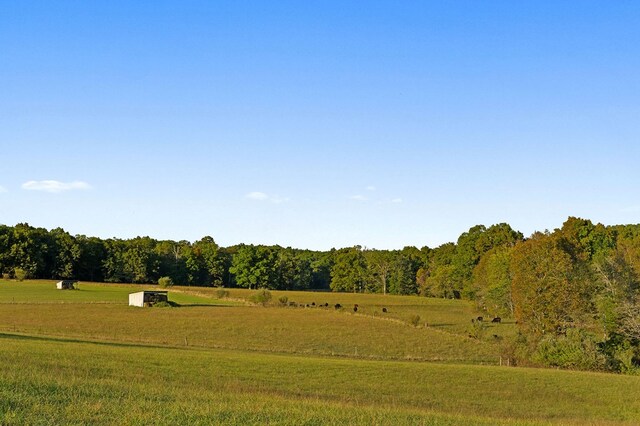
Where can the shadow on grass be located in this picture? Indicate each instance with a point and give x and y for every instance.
(206, 305)
(16, 336)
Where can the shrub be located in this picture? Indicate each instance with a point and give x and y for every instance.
(283, 300)
(221, 293)
(578, 349)
(262, 296)
(625, 357)
(20, 274)
(165, 282)
(477, 329)
(414, 320)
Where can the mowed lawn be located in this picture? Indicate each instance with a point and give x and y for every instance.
(86, 357)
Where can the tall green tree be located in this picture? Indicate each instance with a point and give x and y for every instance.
(66, 254)
(91, 258)
(472, 245)
(171, 256)
(255, 267)
(321, 264)
(402, 279)
(466, 257)
(438, 278)
(547, 288)
(6, 262)
(380, 264)
(31, 251)
(492, 278)
(294, 270)
(213, 259)
(350, 272)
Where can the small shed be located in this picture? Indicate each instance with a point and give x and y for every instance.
(147, 298)
(66, 285)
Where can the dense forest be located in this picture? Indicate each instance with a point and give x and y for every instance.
(574, 292)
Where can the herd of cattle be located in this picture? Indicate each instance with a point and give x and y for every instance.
(326, 305)
(337, 306)
(384, 310)
(480, 319)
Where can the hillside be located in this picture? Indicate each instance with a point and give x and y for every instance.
(87, 357)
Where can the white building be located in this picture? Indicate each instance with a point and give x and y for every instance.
(66, 285)
(147, 298)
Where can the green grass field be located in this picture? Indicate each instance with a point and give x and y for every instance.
(85, 357)
(45, 292)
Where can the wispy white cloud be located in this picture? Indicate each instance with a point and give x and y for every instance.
(3, 189)
(258, 196)
(361, 198)
(396, 200)
(261, 196)
(370, 188)
(54, 186)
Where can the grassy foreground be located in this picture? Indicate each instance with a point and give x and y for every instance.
(85, 357)
(57, 381)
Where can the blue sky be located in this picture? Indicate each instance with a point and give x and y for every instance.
(318, 124)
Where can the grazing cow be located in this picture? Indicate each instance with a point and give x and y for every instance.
(355, 308)
(479, 319)
(497, 319)
(384, 310)
(326, 305)
(338, 306)
(313, 303)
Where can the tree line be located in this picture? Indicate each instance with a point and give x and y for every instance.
(574, 292)
(55, 254)
(38, 253)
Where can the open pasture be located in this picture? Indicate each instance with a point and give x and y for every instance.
(452, 316)
(55, 381)
(84, 356)
(248, 328)
(309, 331)
(45, 292)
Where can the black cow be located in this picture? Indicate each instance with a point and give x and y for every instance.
(338, 306)
(355, 308)
(479, 319)
(384, 310)
(497, 319)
